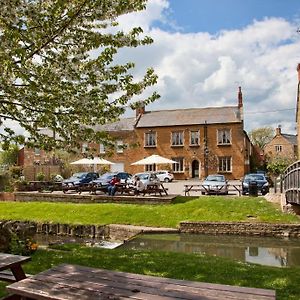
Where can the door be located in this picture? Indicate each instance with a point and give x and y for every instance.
(195, 169)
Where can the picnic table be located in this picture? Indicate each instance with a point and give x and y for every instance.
(11, 267)
(75, 282)
(205, 188)
(155, 188)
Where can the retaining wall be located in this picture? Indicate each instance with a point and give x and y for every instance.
(241, 228)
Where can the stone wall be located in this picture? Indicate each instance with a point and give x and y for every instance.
(241, 228)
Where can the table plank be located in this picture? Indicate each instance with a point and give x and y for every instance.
(9, 260)
(77, 282)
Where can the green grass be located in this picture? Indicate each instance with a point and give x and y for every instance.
(183, 209)
(196, 267)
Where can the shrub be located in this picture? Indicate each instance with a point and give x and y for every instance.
(19, 246)
(40, 176)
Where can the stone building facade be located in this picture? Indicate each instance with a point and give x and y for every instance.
(282, 145)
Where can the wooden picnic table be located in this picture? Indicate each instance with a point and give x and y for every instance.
(155, 188)
(205, 188)
(75, 282)
(11, 267)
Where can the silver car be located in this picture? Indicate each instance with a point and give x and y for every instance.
(215, 184)
(147, 178)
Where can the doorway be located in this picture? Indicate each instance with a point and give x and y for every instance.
(195, 169)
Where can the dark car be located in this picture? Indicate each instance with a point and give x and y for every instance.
(80, 178)
(104, 179)
(259, 179)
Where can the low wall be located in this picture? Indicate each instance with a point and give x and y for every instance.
(241, 228)
(88, 198)
(6, 196)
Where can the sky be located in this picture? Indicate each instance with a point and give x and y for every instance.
(204, 49)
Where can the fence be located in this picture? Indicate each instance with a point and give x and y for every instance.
(292, 183)
(30, 172)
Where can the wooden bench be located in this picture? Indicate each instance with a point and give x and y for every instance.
(202, 188)
(73, 282)
(10, 267)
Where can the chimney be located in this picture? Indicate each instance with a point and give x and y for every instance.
(240, 98)
(298, 70)
(278, 130)
(140, 110)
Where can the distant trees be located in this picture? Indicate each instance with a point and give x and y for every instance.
(261, 136)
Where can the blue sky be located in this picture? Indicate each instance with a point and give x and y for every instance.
(215, 15)
(204, 49)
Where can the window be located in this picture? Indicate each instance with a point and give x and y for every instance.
(84, 147)
(119, 146)
(224, 164)
(37, 151)
(177, 138)
(194, 138)
(278, 148)
(224, 137)
(102, 148)
(178, 168)
(150, 139)
(149, 168)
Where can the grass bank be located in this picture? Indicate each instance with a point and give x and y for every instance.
(196, 267)
(213, 208)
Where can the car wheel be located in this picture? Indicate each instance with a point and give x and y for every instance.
(166, 179)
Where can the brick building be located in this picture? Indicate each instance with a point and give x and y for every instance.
(282, 145)
(202, 140)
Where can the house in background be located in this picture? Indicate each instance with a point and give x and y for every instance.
(282, 145)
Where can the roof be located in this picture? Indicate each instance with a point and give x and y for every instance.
(125, 124)
(190, 116)
(291, 138)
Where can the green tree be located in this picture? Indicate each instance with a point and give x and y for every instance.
(58, 70)
(261, 136)
(278, 165)
(10, 155)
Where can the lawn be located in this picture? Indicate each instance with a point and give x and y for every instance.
(196, 267)
(213, 208)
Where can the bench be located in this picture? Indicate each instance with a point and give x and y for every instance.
(202, 188)
(73, 282)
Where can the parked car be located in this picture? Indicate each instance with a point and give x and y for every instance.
(104, 179)
(261, 181)
(215, 184)
(80, 178)
(147, 178)
(164, 175)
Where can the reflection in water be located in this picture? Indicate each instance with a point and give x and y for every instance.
(262, 250)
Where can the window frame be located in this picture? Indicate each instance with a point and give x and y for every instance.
(221, 159)
(119, 146)
(197, 137)
(178, 168)
(220, 142)
(180, 137)
(278, 148)
(147, 142)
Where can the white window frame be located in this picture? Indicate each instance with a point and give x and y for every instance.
(84, 147)
(37, 151)
(225, 164)
(150, 139)
(102, 149)
(278, 148)
(178, 168)
(224, 136)
(194, 140)
(177, 138)
(119, 146)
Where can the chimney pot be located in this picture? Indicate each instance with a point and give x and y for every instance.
(298, 70)
(278, 130)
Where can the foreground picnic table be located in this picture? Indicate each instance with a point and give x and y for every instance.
(10, 267)
(78, 282)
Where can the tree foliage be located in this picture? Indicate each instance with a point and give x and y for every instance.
(278, 165)
(58, 70)
(261, 136)
(10, 155)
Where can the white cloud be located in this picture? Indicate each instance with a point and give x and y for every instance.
(199, 69)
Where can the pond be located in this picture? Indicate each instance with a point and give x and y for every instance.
(260, 250)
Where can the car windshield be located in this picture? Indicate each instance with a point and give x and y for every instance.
(143, 176)
(106, 176)
(254, 177)
(79, 175)
(215, 178)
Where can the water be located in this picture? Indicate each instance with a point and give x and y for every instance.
(260, 250)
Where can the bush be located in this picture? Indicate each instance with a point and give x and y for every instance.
(18, 246)
(40, 176)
